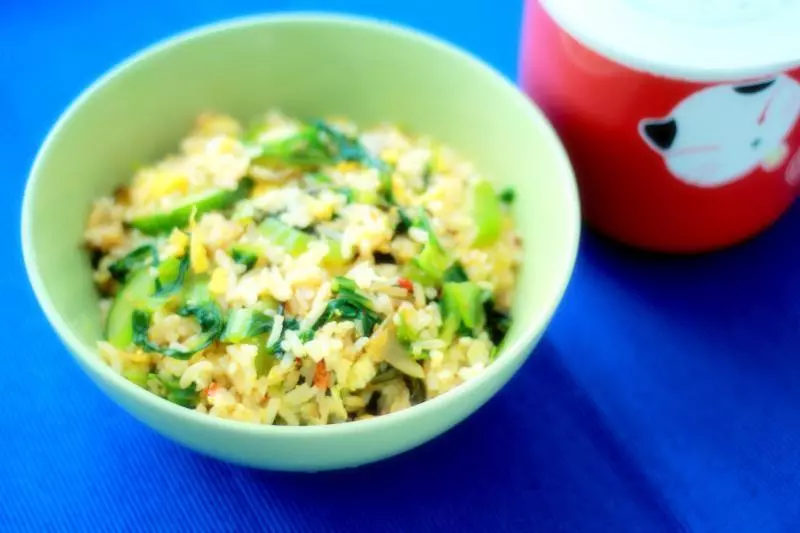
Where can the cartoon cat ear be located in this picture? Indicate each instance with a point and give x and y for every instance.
(659, 133)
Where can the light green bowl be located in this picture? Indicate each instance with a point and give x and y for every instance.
(308, 65)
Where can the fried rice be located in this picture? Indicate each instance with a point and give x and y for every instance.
(302, 273)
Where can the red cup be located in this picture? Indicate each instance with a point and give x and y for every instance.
(667, 158)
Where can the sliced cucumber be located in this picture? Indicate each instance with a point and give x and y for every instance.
(203, 202)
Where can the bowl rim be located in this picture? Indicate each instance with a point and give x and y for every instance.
(510, 353)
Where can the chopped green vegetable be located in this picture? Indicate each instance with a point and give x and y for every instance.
(246, 255)
(289, 323)
(349, 304)
(468, 300)
(174, 271)
(455, 273)
(347, 288)
(188, 397)
(360, 196)
(296, 241)
(462, 309)
(136, 375)
(404, 332)
(178, 216)
(207, 315)
(252, 327)
(404, 223)
(303, 149)
(313, 146)
(346, 148)
(430, 265)
(196, 290)
(275, 351)
(245, 212)
(264, 361)
(348, 193)
(317, 180)
(487, 213)
(137, 293)
(243, 324)
(121, 268)
(507, 195)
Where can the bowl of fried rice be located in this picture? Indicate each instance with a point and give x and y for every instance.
(301, 242)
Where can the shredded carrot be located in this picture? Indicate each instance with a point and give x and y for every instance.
(211, 389)
(405, 284)
(321, 376)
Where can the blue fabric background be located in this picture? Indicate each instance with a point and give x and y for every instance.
(664, 397)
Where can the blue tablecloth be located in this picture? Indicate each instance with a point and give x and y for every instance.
(664, 397)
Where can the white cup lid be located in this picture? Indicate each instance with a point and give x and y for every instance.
(703, 40)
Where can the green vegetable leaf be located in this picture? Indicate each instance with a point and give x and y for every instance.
(188, 397)
(243, 324)
(346, 288)
(429, 266)
(405, 335)
(244, 256)
(404, 223)
(346, 148)
(350, 305)
(178, 272)
(455, 273)
(317, 180)
(135, 260)
(207, 315)
(304, 149)
(462, 309)
(265, 360)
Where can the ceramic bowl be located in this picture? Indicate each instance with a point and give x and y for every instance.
(307, 65)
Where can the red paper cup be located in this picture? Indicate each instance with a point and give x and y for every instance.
(681, 124)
